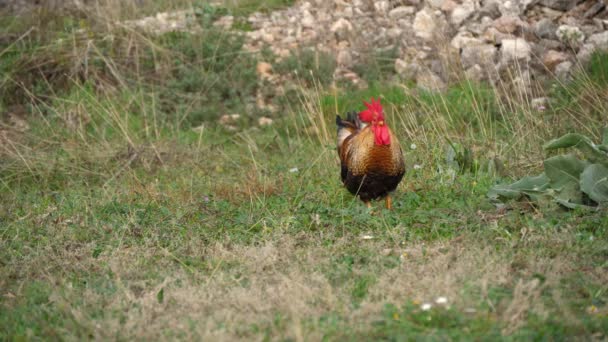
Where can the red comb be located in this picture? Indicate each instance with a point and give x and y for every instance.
(373, 112)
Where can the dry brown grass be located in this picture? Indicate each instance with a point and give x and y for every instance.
(245, 286)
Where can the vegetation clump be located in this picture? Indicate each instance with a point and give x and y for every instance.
(568, 180)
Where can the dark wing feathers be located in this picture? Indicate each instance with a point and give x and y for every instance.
(350, 122)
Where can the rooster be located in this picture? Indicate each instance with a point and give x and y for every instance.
(370, 155)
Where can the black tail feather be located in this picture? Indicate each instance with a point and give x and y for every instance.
(339, 121)
(352, 117)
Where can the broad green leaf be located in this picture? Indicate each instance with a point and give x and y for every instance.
(569, 193)
(581, 142)
(564, 170)
(531, 186)
(594, 182)
(574, 205)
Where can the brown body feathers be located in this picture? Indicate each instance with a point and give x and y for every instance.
(368, 170)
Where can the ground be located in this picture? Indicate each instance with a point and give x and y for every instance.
(127, 212)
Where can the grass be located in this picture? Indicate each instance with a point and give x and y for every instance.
(119, 221)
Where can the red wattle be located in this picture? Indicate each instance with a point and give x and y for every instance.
(381, 135)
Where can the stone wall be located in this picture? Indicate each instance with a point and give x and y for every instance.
(484, 39)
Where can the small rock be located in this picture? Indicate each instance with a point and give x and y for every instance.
(267, 38)
(522, 83)
(563, 71)
(307, 20)
(493, 36)
(394, 33)
(515, 49)
(406, 70)
(401, 12)
(549, 44)
(341, 27)
(595, 9)
(545, 28)
(381, 7)
(400, 66)
(429, 81)
(551, 13)
(560, 5)
(264, 70)
(552, 58)
(348, 75)
(570, 35)
(599, 40)
(424, 24)
(449, 6)
(228, 119)
(585, 52)
(224, 22)
(510, 7)
(435, 3)
(483, 54)
(462, 13)
(464, 38)
(344, 58)
(475, 73)
(265, 121)
(509, 24)
(490, 9)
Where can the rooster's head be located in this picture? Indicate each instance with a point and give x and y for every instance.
(374, 114)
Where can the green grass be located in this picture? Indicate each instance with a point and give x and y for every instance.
(119, 221)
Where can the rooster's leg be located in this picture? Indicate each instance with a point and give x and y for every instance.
(368, 204)
(389, 202)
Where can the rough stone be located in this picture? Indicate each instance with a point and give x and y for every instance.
(563, 71)
(407, 70)
(509, 24)
(509, 7)
(381, 7)
(265, 121)
(483, 55)
(493, 36)
(595, 9)
(394, 33)
(341, 27)
(401, 12)
(475, 73)
(599, 40)
(425, 24)
(487, 35)
(264, 70)
(435, 3)
(307, 19)
(490, 9)
(224, 22)
(522, 83)
(462, 13)
(344, 58)
(545, 28)
(464, 38)
(549, 44)
(552, 58)
(429, 81)
(515, 49)
(560, 5)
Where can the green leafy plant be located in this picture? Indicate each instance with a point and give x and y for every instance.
(567, 180)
